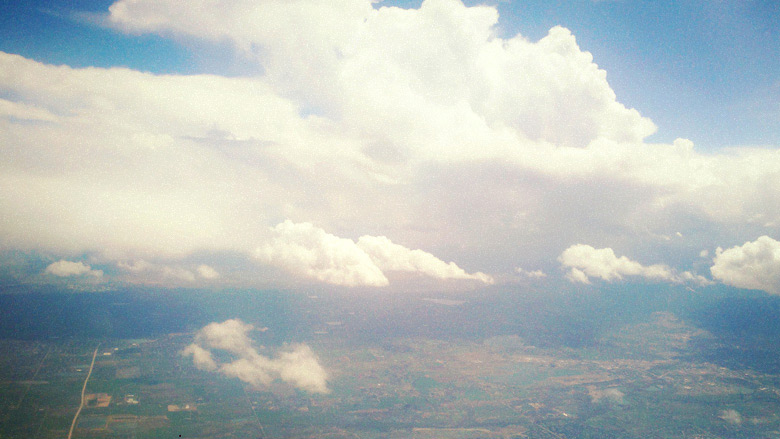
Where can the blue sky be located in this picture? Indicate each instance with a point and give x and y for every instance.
(707, 71)
(67, 32)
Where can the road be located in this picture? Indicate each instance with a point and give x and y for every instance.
(83, 389)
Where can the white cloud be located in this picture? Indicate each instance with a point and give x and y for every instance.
(63, 268)
(207, 272)
(231, 336)
(144, 271)
(754, 265)
(731, 416)
(368, 67)
(201, 357)
(178, 273)
(575, 275)
(611, 395)
(9, 109)
(309, 251)
(534, 274)
(393, 257)
(296, 365)
(136, 266)
(587, 262)
(300, 367)
(418, 124)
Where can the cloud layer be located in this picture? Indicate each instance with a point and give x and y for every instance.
(297, 365)
(416, 126)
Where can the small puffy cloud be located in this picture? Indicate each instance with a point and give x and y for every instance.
(147, 271)
(231, 336)
(63, 268)
(178, 273)
(300, 367)
(754, 265)
(611, 395)
(731, 416)
(302, 248)
(201, 357)
(136, 266)
(297, 365)
(535, 274)
(575, 275)
(207, 272)
(253, 369)
(603, 263)
(587, 262)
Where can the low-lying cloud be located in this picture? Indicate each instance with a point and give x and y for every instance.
(611, 395)
(532, 274)
(307, 250)
(585, 262)
(394, 257)
(63, 268)
(731, 416)
(155, 272)
(296, 365)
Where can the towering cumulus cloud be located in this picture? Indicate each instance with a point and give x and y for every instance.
(754, 265)
(297, 365)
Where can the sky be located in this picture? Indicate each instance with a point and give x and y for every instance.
(392, 145)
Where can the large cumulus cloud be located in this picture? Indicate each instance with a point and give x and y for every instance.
(421, 125)
(754, 265)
